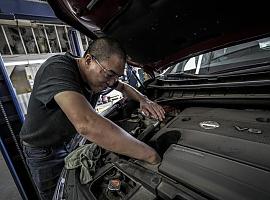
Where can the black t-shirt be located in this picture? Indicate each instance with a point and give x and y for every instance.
(45, 123)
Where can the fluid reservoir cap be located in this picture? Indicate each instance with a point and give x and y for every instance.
(114, 185)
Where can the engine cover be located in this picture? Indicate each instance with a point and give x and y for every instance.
(223, 152)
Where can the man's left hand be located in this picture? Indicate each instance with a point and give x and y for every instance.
(150, 108)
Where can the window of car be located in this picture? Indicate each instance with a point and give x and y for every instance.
(246, 55)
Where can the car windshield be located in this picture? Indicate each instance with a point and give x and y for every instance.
(230, 59)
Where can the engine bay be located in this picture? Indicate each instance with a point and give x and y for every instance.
(207, 153)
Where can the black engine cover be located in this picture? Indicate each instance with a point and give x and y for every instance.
(222, 152)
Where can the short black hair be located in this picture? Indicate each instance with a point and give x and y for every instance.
(102, 48)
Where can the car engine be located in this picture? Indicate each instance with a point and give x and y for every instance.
(206, 154)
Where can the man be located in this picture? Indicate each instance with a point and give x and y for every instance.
(61, 104)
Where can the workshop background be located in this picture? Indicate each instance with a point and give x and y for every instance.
(29, 34)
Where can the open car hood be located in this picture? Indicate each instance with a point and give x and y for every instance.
(156, 33)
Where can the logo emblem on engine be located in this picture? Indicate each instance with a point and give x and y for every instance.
(209, 125)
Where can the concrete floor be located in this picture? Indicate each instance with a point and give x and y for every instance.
(8, 189)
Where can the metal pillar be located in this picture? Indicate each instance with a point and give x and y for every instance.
(45, 32)
(34, 35)
(11, 119)
(58, 40)
(76, 43)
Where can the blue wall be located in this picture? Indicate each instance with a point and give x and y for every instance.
(22, 9)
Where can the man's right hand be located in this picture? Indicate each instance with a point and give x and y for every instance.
(154, 158)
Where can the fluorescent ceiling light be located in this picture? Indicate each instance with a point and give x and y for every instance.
(24, 62)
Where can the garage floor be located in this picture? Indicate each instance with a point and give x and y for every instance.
(8, 189)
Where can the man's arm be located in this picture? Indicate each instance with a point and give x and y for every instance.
(147, 106)
(100, 130)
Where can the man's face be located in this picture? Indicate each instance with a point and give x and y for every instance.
(103, 73)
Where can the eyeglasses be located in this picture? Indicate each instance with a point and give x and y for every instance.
(108, 72)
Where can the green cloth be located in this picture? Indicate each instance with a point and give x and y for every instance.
(84, 157)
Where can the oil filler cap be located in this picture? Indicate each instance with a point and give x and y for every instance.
(114, 185)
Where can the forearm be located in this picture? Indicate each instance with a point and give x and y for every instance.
(131, 92)
(113, 138)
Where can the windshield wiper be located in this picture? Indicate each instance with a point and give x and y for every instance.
(184, 75)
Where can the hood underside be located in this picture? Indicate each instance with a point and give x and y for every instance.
(156, 33)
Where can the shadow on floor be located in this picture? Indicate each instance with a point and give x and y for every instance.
(8, 189)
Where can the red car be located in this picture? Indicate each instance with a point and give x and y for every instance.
(210, 69)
